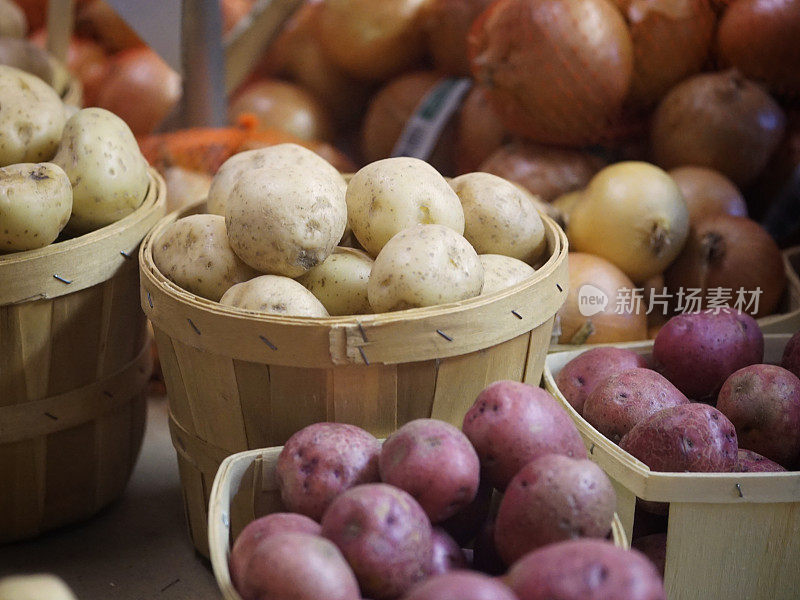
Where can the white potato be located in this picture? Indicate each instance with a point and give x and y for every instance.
(279, 155)
(274, 295)
(108, 172)
(424, 265)
(13, 22)
(501, 272)
(340, 282)
(390, 195)
(193, 252)
(285, 219)
(185, 187)
(35, 204)
(31, 118)
(499, 217)
(34, 587)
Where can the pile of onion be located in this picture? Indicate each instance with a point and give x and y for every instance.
(558, 71)
(447, 25)
(544, 171)
(718, 120)
(599, 285)
(97, 19)
(708, 192)
(760, 38)
(480, 131)
(730, 253)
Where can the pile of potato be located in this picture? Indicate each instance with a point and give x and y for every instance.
(386, 521)
(280, 217)
(79, 172)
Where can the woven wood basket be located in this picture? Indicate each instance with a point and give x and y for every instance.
(245, 489)
(238, 380)
(730, 535)
(75, 365)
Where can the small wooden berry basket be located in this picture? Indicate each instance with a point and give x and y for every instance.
(245, 489)
(74, 371)
(240, 380)
(730, 535)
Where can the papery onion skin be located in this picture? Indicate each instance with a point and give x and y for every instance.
(761, 39)
(447, 25)
(480, 131)
(708, 192)
(558, 70)
(717, 120)
(730, 252)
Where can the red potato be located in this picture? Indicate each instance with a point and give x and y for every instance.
(752, 462)
(513, 423)
(690, 437)
(297, 566)
(322, 460)
(435, 463)
(260, 529)
(460, 585)
(385, 536)
(791, 355)
(467, 523)
(553, 498)
(654, 547)
(585, 570)
(763, 403)
(446, 554)
(580, 375)
(697, 352)
(619, 402)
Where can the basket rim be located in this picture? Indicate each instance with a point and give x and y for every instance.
(665, 486)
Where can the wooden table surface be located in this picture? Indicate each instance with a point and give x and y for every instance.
(138, 548)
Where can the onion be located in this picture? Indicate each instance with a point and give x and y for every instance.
(544, 171)
(760, 38)
(285, 106)
(730, 253)
(97, 19)
(708, 192)
(233, 11)
(717, 120)
(558, 70)
(634, 215)
(447, 25)
(372, 40)
(480, 131)
(592, 277)
(140, 88)
(35, 12)
(564, 206)
(388, 112)
(671, 40)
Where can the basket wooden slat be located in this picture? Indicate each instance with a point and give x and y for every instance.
(245, 489)
(76, 362)
(730, 534)
(239, 380)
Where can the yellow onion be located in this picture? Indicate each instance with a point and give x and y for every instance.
(708, 192)
(480, 131)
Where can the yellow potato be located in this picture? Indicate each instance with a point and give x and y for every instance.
(285, 219)
(108, 172)
(424, 265)
(499, 217)
(501, 272)
(390, 195)
(31, 118)
(193, 252)
(34, 587)
(340, 282)
(280, 155)
(274, 295)
(35, 204)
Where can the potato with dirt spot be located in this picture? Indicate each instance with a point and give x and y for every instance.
(385, 536)
(390, 195)
(424, 265)
(109, 176)
(340, 282)
(446, 554)
(748, 461)
(194, 253)
(274, 295)
(501, 272)
(32, 118)
(279, 155)
(284, 219)
(499, 217)
(321, 461)
(35, 204)
(460, 585)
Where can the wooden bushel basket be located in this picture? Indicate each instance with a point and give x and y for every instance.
(245, 489)
(74, 369)
(239, 380)
(730, 535)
